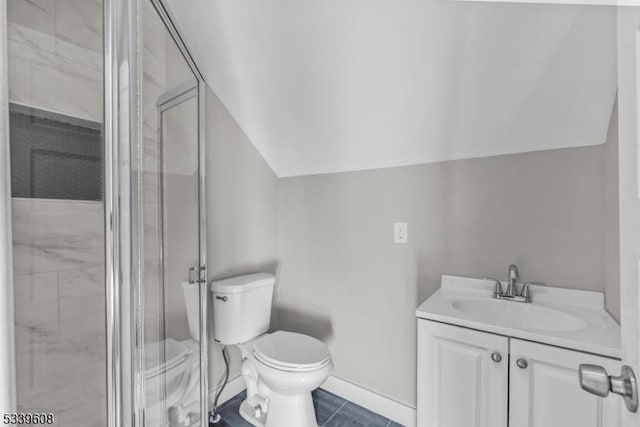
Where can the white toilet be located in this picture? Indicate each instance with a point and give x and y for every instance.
(173, 387)
(280, 369)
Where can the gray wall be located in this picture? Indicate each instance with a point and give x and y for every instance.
(342, 278)
(242, 197)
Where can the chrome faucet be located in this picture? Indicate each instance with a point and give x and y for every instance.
(512, 294)
(513, 277)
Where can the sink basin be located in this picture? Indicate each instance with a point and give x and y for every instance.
(567, 318)
(519, 315)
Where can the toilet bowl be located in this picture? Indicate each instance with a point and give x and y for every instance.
(280, 369)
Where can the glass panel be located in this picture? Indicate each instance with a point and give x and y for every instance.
(171, 228)
(56, 94)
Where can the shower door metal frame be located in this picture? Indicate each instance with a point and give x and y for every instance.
(8, 392)
(121, 208)
(168, 20)
(168, 100)
(123, 213)
(165, 102)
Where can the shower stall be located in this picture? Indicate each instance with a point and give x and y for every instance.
(102, 225)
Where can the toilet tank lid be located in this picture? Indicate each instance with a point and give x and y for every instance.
(238, 284)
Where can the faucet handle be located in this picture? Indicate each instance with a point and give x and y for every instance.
(524, 292)
(498, 289)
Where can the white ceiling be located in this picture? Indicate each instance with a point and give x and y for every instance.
(335, 85)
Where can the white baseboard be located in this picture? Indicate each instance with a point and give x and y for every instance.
(396, 411)
(375, 402)
(234, 386)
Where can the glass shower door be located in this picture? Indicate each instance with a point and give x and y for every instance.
(171, 286)
(173, 328)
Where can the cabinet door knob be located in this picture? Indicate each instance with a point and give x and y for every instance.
(522, 364)
(596, 380)
(496, 357)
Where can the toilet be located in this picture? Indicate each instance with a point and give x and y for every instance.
(173, 387)
(281, 368)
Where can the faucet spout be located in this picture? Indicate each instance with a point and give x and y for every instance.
(513, 277)
(512, 294)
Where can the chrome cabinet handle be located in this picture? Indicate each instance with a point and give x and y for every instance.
(596, 380)
(522, 364)
(496, 357)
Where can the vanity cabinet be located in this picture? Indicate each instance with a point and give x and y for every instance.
(459, 384)
(468, 378)
(544, 390)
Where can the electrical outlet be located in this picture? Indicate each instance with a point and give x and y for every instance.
(400, 232)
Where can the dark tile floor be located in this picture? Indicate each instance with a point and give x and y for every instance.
(331, 411)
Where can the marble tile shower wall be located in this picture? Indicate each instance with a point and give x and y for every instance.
(59, 282)
(55, 64)
(55, 51)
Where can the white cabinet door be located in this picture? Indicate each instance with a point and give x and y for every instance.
(546, 391)
(459, 385)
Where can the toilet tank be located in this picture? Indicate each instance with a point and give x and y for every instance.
(191, 293)
(241, 307)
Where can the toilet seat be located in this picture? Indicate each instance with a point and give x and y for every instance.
(290, 351)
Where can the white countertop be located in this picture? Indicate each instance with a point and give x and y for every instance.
(600, 334)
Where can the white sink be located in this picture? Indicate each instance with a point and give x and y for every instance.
(519, 315)
(567, 318)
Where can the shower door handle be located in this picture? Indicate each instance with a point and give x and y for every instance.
(196, 274)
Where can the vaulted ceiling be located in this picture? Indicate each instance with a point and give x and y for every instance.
(335, 85)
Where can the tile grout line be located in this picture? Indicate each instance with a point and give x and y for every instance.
(334, 414)
(232, 401)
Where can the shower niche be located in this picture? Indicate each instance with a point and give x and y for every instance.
(54, 156)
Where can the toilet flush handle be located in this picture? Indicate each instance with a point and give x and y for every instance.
(224, 298)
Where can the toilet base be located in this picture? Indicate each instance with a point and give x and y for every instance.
(247, 412)
(283, 411)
